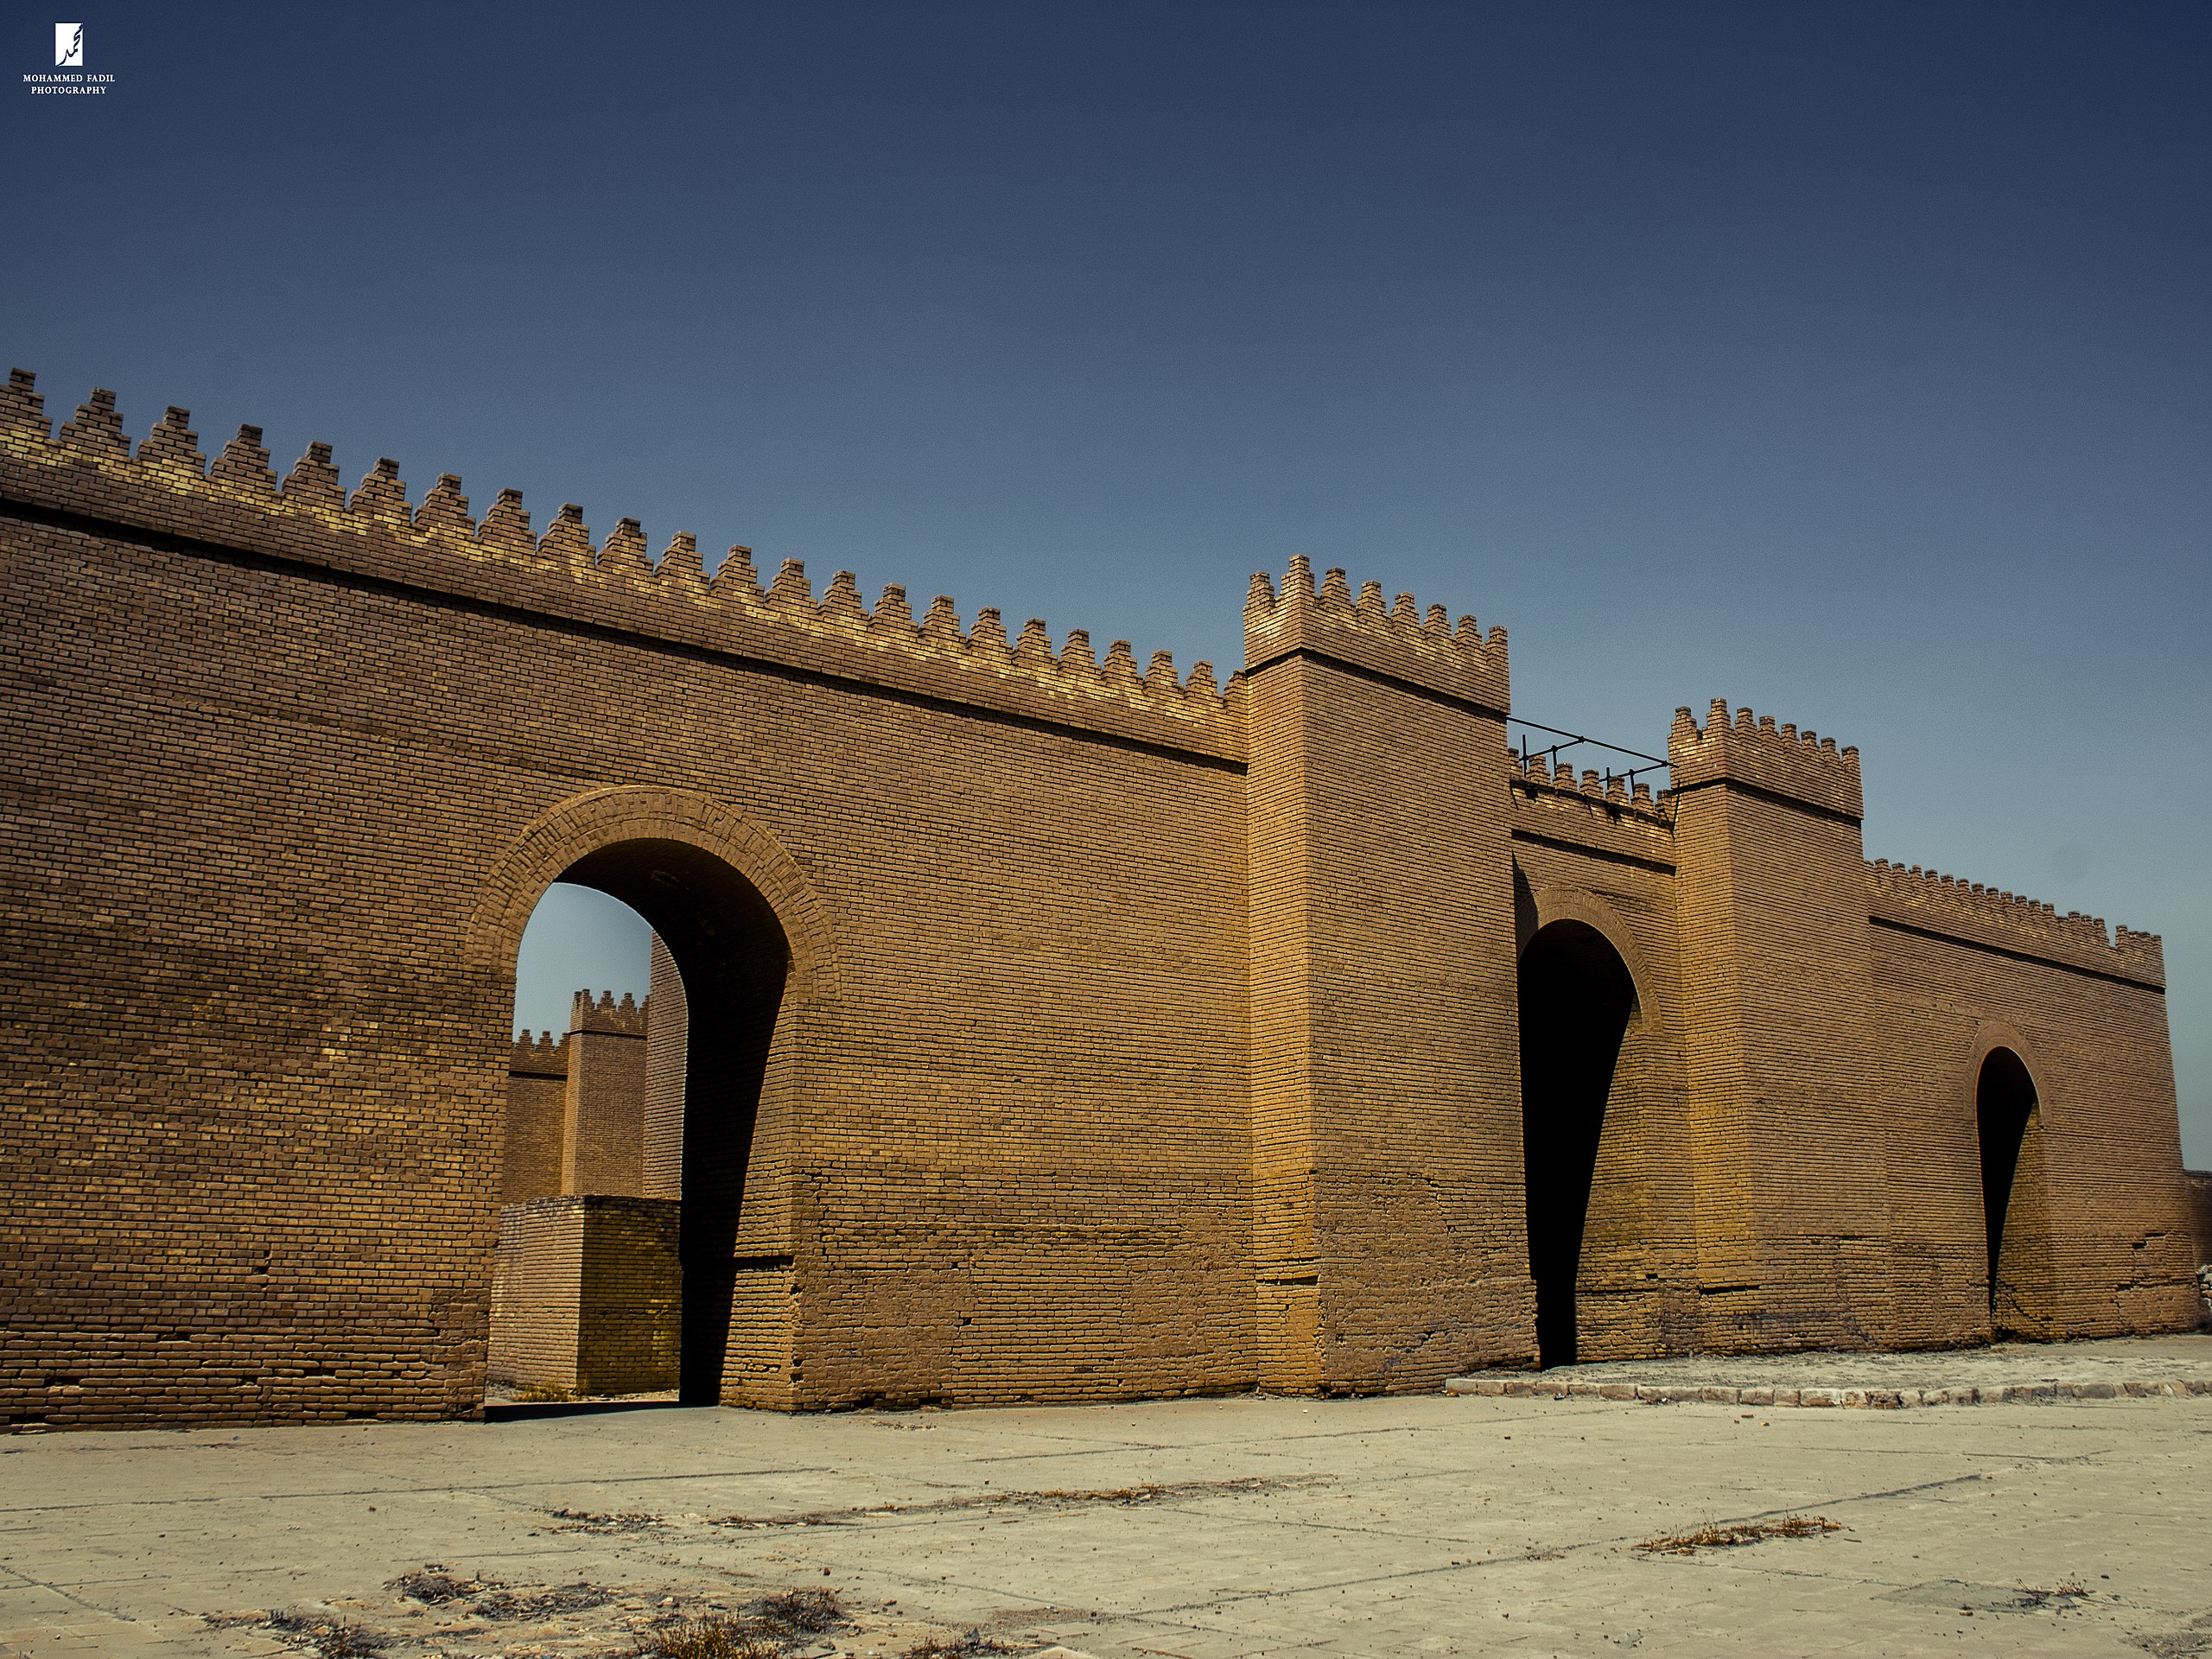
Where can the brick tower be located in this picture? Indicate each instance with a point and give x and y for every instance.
(1386, 1133)
(1777, 979)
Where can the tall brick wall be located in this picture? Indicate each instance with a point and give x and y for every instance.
(287, 768)
(599, 1309)
(1055, 1027)
(2099, 1202)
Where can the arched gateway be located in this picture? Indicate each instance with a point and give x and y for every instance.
(2015, 1208)
(1577, 999)
(1063, 1027)
(757, 959)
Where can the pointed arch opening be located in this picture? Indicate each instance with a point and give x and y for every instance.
(1577, 999)
(2007, 1121)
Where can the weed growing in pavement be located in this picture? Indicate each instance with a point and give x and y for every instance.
(433, 1585)
(328, 1637)
(800, 1612)
(711, 1638)
(1752, 1532)
(971, 1644)
(578, 1598)
(585, 1521)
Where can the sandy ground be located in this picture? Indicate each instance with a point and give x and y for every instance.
(1187, 1529)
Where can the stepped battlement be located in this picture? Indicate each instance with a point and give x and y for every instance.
(87, 468)
(1925, 899)
(624, 1019)
(1537, 775)
(1753, 751)
(1398, 640)
(1072, 1029)
(542, 1055)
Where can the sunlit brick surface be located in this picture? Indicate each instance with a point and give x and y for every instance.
(1058, 1029)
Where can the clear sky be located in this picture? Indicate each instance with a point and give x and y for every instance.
(1853, 362)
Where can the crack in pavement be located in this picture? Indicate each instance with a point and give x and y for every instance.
(405, 1492)
(89, 1606)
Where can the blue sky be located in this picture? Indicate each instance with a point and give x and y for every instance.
(1851, 361)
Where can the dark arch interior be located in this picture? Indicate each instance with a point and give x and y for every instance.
(733, 958)
(1576, 999)
(2004, 1098)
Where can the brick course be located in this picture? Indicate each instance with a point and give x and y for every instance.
(1058, 1028)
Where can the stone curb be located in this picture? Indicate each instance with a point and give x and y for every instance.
(1668, 1394)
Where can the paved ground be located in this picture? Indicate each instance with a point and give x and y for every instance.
(1437, 1524)
(2007, 1372)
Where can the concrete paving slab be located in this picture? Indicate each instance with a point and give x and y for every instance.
(2005, 1373)
(1187, 1529)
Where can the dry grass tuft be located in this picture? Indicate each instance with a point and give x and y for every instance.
(329, 1638)
(433, 1585)
(970, 1644)
(535, 1604)
(801, 1611)
(1751, 1532)
(585, 1521)
(711, 1638)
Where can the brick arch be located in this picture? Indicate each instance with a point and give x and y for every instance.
(1559, 903)
(2029, 1304)
(1989, 1036)
(602, 817)
(1627, 1233)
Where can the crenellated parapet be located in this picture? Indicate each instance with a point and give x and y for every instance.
(622, 1018)
(1751, 751)
(88, 469)
(1932, 903)
(543, 1054)
(1398, 641)
(1535, 775)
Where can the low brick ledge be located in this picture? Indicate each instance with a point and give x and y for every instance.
(1539, 1387)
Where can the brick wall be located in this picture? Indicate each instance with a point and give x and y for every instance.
(1056, 1028)
(537, 1293)
(1793, 1230)
(667, 1036)
(2099, 1199)
(282, 1196)
(584, 1304)
(603, 1108)
(2199, 1183)
(1385, 1094)
(586, 1295)
(537, 1093)
(1608, 864)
